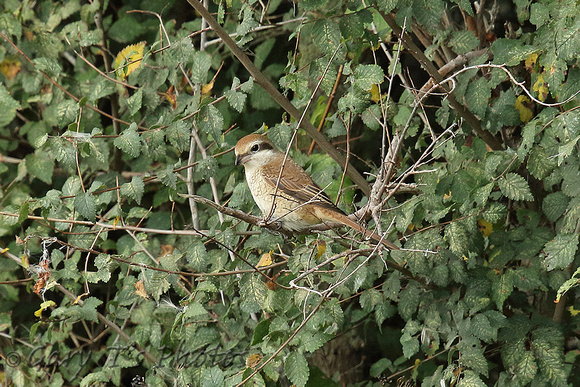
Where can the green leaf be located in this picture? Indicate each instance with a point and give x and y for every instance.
(40, 165)
(511, 51)
(540, 164)
(212, 377)
(253, 292)
(129, 141)
(408, 302)
(126, 29)
(168, 177)
(9, 107)
(515, 187)
(549, 356)
(296, 368)
(310, 5)
(502, 288)
(365, 76)
(66, 112)
(560, 252)
(326, 35)
(211, 122)
(410, 344)
(48, 65)
(207, 168)
(178, 133)
(554, 205)
(463, 41)
(133, 190)
(201, 65)
(260, 331)
(85, 204)
(235, 98)
(135, 102)
(470, 379)
(477, 96)
(456, 236)
(539, 14)
(100, 89)
(472, 356)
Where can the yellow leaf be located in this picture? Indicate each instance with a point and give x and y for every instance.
(320, 249)
(166, 250)
(129, 59)
(541, 86)
(79, 298)
(206, 89)
(375, 94)
(253, 360)
(45, 305)
(531, 61)
(141, 290)
(525, 112)
(485, 227)
(573, 311)
(265, 260)
(9, 68)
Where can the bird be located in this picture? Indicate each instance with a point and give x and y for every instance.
(285, 193)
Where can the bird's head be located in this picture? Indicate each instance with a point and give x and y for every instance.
(254, 150)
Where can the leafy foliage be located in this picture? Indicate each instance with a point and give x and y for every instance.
(111, 113)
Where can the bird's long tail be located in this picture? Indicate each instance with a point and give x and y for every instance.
(351, 223)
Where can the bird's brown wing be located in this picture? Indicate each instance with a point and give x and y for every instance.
(297, 185)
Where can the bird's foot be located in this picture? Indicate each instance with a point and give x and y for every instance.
(267, 223)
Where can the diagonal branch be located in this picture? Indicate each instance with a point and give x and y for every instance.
(418, 54)
(279, 98)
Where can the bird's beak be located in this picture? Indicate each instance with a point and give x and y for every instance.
(239, 159)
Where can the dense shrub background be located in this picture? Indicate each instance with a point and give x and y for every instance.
(460, 122)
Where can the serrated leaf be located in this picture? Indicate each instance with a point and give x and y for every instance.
(212, 377)
(211, 122)
(408, 302)
(470, 379)
(326, 35)
(472, 356)
(463, 41)
(410, 344)
(560, 252)
(502, 288)
(456, 236)
(511, 51)
(554, 205)
(133, 190)
(178, 134)
(236, 99)
(135, 102)
(129, 141)
(296, 368)
(540, 164)
(253, 292)
(207, 167)
(515, 187)
(66, 112)
(9, 107)
(85, 204)
(477, 96)
(168, 177)
(365, 76)
(201, 65)
(40, 165)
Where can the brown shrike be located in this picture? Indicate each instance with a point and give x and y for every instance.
(285, 193)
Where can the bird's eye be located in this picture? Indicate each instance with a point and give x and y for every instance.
(255, 148)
